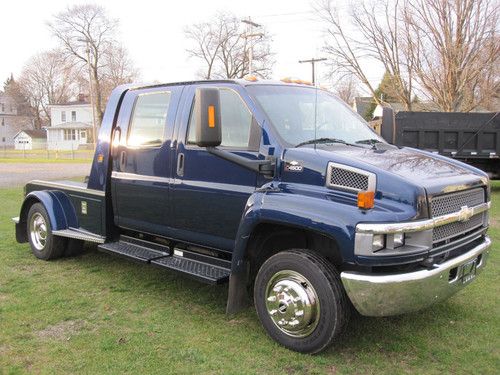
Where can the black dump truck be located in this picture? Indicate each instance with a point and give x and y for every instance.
(473, 138)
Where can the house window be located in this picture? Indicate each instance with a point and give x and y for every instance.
(83, 134)
(3, 122)
(3, 107)
(63, 116)
(3, 139)
(73, 116)
(11, 108)
(70, 134)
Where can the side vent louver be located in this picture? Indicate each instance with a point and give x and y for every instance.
(344, 177)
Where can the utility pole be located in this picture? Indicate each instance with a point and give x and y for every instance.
(91, 93)
(312, 62)
(248, 36)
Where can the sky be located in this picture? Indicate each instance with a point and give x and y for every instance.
(152, 32)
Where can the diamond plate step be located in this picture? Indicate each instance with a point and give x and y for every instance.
(198, 270)
(132, 251)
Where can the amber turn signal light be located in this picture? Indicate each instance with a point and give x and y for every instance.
(366, 199)
(211, 116)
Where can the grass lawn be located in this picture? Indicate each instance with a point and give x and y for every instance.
(100, 314)
(41, 160)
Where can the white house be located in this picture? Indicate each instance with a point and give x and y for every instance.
(70, 125)
(30, 140)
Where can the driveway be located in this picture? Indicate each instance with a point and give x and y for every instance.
(18, 174)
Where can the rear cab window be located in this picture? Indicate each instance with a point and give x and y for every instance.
(148, 119)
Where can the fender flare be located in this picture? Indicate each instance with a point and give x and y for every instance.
(58, 205)
(305, 212)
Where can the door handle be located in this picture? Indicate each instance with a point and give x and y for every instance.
(180, 164)
(123, 160)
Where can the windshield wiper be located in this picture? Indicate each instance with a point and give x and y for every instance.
(324, 140)
(371, 141)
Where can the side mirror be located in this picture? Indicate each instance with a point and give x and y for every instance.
(207, 116)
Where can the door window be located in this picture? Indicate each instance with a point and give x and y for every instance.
(239, 128)
(148, 121)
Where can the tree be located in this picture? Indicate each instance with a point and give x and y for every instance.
(444, 49)
(221, 45)
(12, 88)
(87, 30)
(48, 78)
(346, 89)
(454, 49)
(378, 38)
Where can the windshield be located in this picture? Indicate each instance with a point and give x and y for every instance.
(291, 110)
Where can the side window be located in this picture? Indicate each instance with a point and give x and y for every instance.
(239, 129)
(149, 118)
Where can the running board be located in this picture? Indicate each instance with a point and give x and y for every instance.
(203, 268)
(79, 235)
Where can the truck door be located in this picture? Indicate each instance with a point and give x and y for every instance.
(210, 193)
(141, 174)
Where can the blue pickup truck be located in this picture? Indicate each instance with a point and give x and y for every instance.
(280, 190)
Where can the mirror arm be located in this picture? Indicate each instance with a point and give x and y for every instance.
(265, 167)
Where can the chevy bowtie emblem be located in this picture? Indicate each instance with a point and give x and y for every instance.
(465, 213)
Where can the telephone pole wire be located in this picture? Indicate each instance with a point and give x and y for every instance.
(312, 61)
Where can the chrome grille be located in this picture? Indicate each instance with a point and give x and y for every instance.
(453, 202)
(449, 203)
(451, 230)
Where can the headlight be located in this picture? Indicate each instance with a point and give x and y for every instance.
(399, 240)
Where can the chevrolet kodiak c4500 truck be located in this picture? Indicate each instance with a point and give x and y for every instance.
(277, 188)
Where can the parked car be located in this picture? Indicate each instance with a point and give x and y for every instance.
(278, 189)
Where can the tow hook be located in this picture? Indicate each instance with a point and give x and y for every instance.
(429, 263)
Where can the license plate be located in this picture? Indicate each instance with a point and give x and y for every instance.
(468, 271)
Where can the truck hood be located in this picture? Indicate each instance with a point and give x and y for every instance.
(434, 173)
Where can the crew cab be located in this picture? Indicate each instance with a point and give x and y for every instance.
(277, 188)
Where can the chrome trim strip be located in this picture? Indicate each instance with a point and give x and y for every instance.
(384, 295)
(58, 185)
(79, 235)
(15, 219)
(420, 225)
(140, 177)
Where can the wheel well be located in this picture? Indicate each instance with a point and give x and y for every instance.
(268, 239)
(30, 201)
(23, 218)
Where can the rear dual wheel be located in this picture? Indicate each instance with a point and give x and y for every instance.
(300, 300)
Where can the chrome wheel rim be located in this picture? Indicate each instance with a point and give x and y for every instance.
(292, 303)
(38, 231)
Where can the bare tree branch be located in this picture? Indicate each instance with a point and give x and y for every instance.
(220, 44)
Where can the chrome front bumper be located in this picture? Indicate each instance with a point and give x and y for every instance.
(384, 295)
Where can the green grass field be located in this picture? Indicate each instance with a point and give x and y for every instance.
(40, 160)
(98, 314)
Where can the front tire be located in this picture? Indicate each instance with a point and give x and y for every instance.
(300, 300)
(44, 245)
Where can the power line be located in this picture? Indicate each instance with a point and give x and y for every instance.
(283, 14)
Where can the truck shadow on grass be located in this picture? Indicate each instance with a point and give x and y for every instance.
(399, 334)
